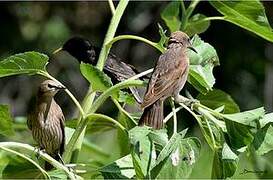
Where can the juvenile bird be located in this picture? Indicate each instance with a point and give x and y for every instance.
(47, 121)
(168, 78)
(84, 51)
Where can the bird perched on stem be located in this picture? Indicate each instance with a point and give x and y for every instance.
(84, 51)
(47, 121)
(168, 78)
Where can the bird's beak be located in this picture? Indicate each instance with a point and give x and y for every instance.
(58, 50)
(191, 48)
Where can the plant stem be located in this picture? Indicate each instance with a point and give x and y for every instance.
(170, 115)
(112, 7)
(187, 14)
(41, 154)
(123, 110)
(28, 159)
(174, 117)
(111, 32)
(183, 19)
(121, 37)
(89, 98)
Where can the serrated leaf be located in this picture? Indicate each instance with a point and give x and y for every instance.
(197, 24)
(5, 121)
(217, 98)
(163, 38)
(201, 65)
(24, 63)
(99, 80)
(170, 16)
(249, 15)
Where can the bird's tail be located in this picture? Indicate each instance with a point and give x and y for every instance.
(153, 115)
(49, 166)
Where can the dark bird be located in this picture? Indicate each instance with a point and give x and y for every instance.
(168, 78)
(47, 121)
(84, 51)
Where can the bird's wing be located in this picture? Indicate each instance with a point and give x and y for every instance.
(121, 71)
(165, 76)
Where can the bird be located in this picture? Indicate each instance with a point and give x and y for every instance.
(47, 121)
(84, 51)
(167, 79)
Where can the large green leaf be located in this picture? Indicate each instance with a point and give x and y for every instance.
(24, 63)
(171, 16)
(249, 118)
(177, 159)
(5, 121)
(217, 98)
(202, 64)
(224, 163)
(249, 15)
(99, 80)
(197, 24)
(120, 169)
(263, 141)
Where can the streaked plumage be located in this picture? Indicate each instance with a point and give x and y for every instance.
(47, 121)
(168, 78)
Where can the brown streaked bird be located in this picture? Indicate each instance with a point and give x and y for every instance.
(47, 121)
(168, 78)
(84, 51)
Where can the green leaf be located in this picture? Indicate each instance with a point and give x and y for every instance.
(5, 121)
(141, 150)
(120, 169)
(99, 80)
(217, 98)
(249, 118)
(239, 135)
(268, 118)
(125, 97)
(249, 15)
(202, 64)
(225, 163)
(24, 63)
(170, 16)
(197, 24)
(180, 161)
(163, 38)
(263, 141)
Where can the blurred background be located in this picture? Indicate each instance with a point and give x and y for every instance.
(246, 70)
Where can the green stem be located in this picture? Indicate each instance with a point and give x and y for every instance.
(112, 7)
(111, 32)
(174, 117)
(170, 115)
(183, 19)
(45, 156)
(28, 159)
(121, 37)
(188, 13)
(89, 98)
(123, 110)
(82, 126)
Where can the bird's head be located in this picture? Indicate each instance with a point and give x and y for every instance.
(179, 37)
(50, 88)
(79, 48)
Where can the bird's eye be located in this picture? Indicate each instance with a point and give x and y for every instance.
(50, 86)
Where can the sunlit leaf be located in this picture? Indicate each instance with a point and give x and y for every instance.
(249, 15)
(99, 80)
(201, 65)
(263, 141)
(24, 63)
(120, 169)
